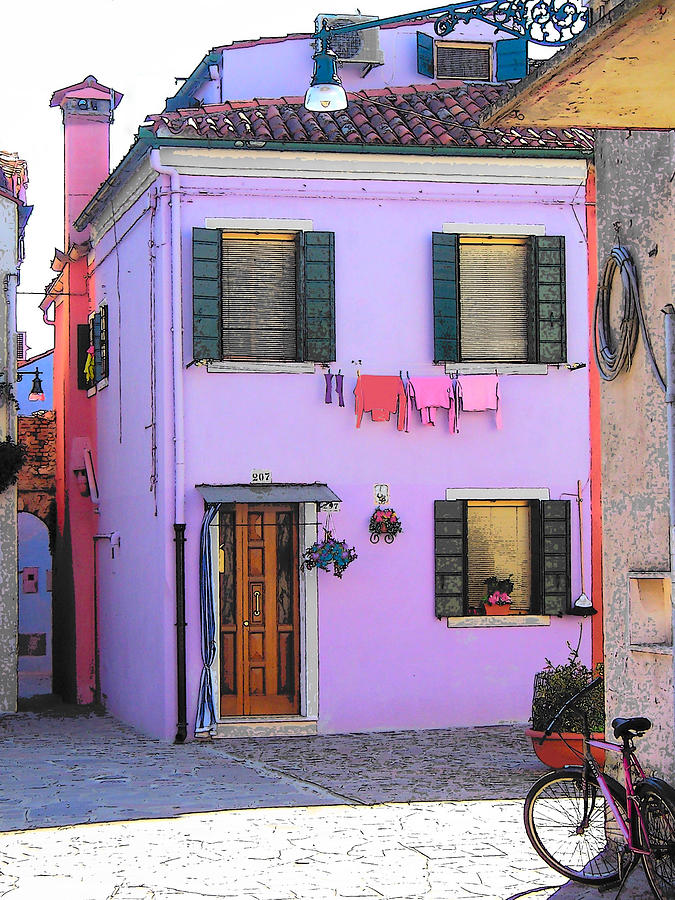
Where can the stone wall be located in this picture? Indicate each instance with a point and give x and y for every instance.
(634, 190)
(37, 485)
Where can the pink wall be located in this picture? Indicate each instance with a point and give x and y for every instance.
(385, 661)
(284, 68)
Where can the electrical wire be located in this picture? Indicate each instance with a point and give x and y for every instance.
(614, 359)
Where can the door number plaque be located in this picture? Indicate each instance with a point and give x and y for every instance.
(261, 476)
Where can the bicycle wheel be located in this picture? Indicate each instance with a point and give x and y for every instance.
(590, 850)
(657, 805)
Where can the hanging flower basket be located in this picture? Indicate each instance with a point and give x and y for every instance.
(386, 522)
(321, 554)
(12, 457)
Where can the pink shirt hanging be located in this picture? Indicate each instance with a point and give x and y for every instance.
(479, 392)
(429, 394)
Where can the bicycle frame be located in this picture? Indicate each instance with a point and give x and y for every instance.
(630, 764)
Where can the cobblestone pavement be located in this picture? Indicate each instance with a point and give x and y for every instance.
(434, 814)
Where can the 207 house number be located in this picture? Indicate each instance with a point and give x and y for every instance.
(261, 476)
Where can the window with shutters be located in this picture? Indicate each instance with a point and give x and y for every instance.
(528, 540)
(263, 297)
(96, 336)
(499, 299)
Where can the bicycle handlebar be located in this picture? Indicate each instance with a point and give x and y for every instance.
(569, 703)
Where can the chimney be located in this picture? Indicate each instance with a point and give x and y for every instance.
(87, 114)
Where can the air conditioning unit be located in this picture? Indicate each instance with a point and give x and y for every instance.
(361, 47)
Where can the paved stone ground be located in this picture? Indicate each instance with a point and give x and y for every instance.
(435, 814)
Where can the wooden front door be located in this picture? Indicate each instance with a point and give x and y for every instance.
(259, 610)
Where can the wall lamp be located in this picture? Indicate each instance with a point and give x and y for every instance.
(37, 394)
(547, 22)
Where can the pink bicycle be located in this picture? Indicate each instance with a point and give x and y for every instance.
(592, 829)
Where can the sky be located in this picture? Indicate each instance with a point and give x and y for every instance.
(136, 47)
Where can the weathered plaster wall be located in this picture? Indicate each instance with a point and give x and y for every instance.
(8, 530)
(37, 478)
(634, 189)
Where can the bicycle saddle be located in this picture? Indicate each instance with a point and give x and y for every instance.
(636, 725)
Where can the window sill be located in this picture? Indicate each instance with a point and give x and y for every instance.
(497, 621)
(103, 383)
(281, 368)
(499, 368)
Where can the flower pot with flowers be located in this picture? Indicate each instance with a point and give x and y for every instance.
(386, 522)
(497, 599)
(329, 550)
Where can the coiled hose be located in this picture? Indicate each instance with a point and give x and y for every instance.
(611, 361)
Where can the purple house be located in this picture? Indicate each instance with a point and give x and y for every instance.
(299, 318)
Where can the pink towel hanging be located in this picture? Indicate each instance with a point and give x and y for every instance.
(429, 394)
(479, 392)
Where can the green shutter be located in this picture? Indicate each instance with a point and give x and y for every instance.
(96, 341)
(555, 557)
(511, 59)
(317, 279)
(83, 344)
(445, 253)
(549, 286)
(450, 557)
(425, 54)
(206, 293)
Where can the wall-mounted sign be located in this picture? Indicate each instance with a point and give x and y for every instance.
(329, 506)
(381, 494)
(261, 476)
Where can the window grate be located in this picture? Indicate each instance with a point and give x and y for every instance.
(493, 300)
(472, 63)
(258, 306)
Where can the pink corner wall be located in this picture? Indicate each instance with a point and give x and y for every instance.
(385, 661)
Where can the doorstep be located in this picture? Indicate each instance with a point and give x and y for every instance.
(265, 726)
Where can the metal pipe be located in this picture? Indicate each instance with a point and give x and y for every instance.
(179, 538)
(669, 323)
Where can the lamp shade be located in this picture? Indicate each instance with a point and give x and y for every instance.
(325, 98)
(37, 394)
(325, 93)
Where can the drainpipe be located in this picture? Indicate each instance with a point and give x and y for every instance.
(669, 322)
(178, 434)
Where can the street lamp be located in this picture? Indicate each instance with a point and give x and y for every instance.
(37, 394)
(551, 23)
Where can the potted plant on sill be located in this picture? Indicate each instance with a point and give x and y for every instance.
(553, 687)
(497, 600)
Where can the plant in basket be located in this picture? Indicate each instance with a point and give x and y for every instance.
(386, 522)
(553, 687)
(329, 550)
(497, 599)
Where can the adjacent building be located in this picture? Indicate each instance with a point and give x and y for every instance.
(267, 289)
(618, 77)
(14, 214)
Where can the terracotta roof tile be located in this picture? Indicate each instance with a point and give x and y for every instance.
(420, 115)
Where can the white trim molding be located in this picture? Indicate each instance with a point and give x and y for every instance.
(497, 494)
(260, 224)
(485, 228)
(496, 369)
(497, 621)
(253, 366)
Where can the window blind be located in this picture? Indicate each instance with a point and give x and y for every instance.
(493, 299)
(472, 63)
(259, 278)
(499, 543)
